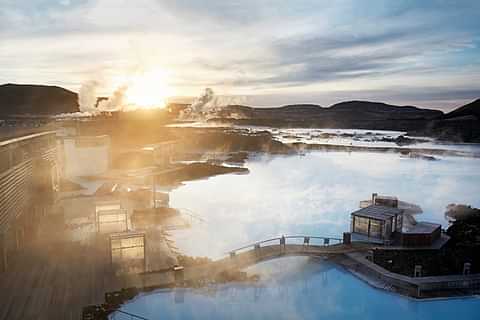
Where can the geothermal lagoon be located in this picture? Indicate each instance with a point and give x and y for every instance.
(309, 194)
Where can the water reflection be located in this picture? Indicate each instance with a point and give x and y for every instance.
(314, 194)
(295, 288)
(311, 194)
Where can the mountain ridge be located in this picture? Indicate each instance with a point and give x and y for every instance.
(461, 124)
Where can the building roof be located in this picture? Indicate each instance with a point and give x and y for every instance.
(377, 212)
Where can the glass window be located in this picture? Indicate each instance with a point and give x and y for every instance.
(361, 225)
(375, 228)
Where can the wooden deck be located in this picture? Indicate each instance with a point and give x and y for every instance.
(54, 278)
(54, 282)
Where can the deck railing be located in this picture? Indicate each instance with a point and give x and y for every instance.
(284, 239)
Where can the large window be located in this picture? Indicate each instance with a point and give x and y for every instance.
(361, 225)
(388, 228)
(375, 228)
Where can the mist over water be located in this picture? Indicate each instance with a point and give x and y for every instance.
(314, 195)
(311, 194)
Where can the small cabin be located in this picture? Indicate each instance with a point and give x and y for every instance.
(376, 221)
(385, 219)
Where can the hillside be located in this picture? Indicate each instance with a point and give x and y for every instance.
(461, 124)
(471, 110)
(350, 114)
(24, 99)
(382, 110)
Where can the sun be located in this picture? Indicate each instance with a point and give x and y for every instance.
(148, 90)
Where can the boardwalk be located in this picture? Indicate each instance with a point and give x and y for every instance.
(54, 278)
(244, 257)
(255, 253)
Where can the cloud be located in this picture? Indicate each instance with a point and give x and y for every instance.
(248, 47)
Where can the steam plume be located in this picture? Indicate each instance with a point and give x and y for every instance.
(208, 104)
(116, 102)
(87, 96)
(87, 99)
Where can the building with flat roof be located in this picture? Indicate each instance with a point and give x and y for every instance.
(376, 221)
(382, 220)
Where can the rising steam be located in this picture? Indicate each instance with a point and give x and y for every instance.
(207, 105)
(87, 99)
(117, 102)
(87, 96)
(204, 107)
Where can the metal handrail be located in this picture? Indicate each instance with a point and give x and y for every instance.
(285, 237)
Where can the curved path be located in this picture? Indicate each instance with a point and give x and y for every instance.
(274, 248)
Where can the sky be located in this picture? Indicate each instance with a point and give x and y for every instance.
(270, 53)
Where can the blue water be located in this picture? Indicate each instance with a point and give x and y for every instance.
(312, 194)
(315, 194)
(299, 288)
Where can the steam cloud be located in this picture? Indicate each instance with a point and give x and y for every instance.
(204, 107)
(87, 99)
(117, 102)
(208, 104)
(87, 96)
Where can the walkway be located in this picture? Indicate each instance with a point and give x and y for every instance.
(271, 249)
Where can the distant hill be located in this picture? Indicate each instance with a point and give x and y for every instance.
(471, 109)
(25, 99)
(350, 114)
(461, 124)
(383, 110)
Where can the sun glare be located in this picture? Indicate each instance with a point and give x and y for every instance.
(149, 89)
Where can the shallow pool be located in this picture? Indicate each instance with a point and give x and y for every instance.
(312, 194)
(295, 288)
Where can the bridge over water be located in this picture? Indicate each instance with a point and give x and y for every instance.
(257, 252)
(243, 257)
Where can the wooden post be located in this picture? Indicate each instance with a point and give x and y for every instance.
(347, 238)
